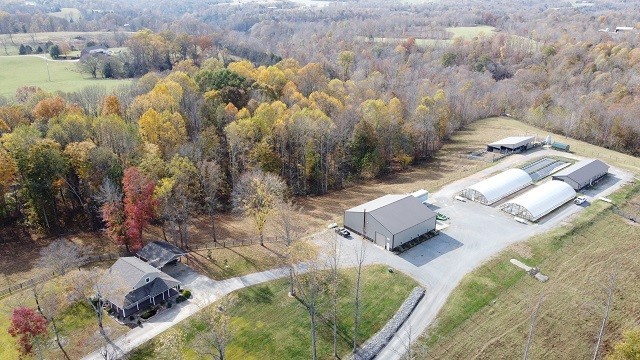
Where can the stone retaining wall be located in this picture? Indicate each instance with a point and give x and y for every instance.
(377, 342)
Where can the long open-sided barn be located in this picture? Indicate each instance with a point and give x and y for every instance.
(582, 173)
(391, 220)
(497, 187)
(511, 144)
(540, 200)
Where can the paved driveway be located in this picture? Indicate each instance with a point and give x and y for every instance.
(204, 290)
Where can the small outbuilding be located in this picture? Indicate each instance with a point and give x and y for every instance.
(497, 187)
(511, 144)
(540, 200)
(160, 253)
(391, 220)
(583, 173)
(560, 146)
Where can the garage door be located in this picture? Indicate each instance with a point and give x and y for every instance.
(381, 240)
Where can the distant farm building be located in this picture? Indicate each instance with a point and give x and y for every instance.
(583, 173)
(497, 187)
(511, 144)
(560, 146)
(540, 201)
(391, 220)
(623, 28)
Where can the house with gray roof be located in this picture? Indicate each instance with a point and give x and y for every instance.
(583, 173)
(131, 285)
(391, 220)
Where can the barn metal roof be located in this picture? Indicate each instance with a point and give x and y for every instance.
(396, 212)
(544, 198)
(512, 141)
(584, 171)
(502, 184)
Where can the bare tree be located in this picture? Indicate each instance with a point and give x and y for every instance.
(532, 326)
(286, 225)
(210, 178)
(61, 256)
(409, 355)
(256, 194)
(308, 290)
(213, 341)
(49, 304)
(610, 289)
(94, 287)
(334, 247)
(361, 252)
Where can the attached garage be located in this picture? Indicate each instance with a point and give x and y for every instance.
(540, 200)
(391, 220)
(497, 187)
(583, 173)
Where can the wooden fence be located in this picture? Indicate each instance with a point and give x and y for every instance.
(231, 243)
(88, 260)
(27, 284)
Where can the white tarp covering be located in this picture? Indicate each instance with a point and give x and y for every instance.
(497, 187)
(540, 200)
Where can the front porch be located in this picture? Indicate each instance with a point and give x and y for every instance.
(144, 304)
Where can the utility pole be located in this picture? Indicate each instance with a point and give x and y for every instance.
(46, 61)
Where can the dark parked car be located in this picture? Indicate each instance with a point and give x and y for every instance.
(342, 231)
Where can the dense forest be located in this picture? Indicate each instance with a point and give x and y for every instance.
(304, 93)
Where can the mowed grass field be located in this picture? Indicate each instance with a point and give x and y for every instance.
(16, 72)
(76, 38)
(71, 14)
(77, 324)
(489, 315)
(268, 324)
(464, 32)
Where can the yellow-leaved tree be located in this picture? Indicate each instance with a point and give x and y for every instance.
(165, 129)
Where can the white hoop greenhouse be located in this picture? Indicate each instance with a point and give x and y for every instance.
(497, 187)
(540, 201)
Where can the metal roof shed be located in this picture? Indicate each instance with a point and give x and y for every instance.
(512, 143)
(582, 173)
(497, 187)
(391, 220)
(540, 200)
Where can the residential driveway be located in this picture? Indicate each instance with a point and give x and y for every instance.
(204, 290)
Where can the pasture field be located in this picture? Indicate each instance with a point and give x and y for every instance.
(489, 315)
(70, 14)
(19, 71)
(72, 38)
(469, 32)
(268, 324)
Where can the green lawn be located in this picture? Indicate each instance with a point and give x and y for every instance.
(16, 72)
(77, 325)
(488, 315)
(268, 324)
